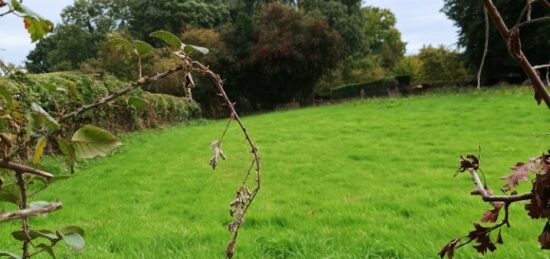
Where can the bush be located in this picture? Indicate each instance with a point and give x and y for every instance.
(61, 92)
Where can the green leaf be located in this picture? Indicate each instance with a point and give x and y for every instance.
(34, 234)
(138, 103)
(5, 94)
(192, 48)
(9, 255)
(68, 151)
(37, 27)
(48, 249)
(39, 150)
(119, 42)
(90, 142)
(142, 48)
(10, 194)
(169, 38)
(73, 237)
(50, 122)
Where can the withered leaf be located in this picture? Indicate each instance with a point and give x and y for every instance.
(470, 162)
(533, 209)
(499, 237)
(520, 172)
(492, 215)
(449, 248)
(481, 236)
(544, 237)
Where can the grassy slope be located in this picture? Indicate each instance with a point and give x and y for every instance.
(360, 179)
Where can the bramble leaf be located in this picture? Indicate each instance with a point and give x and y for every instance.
(39, 150)
(169, 38)
(73, 236)
(90, 142)
(68, 151)
(142, 48)
(138, 103)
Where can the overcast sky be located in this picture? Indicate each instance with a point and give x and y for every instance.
(419, 21)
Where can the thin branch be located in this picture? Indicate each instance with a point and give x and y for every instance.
(492, 198)
(528, 22)
(541, 67)
(537, 83)
(142, 81)
(25, 169)
(30, 212)
(201, 68)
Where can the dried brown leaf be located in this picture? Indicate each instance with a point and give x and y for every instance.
(520, 172)
(449, 248)
(544, 237)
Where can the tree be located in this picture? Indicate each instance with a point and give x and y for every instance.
(383, 38)
(468, 16)
(441, 64)
(84, 27)
(286, 50)
(174, 15)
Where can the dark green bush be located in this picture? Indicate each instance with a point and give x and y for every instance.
(372, 88)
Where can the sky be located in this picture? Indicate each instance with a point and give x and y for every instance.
(420, 22)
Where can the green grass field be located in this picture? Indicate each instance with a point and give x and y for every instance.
(363, 179)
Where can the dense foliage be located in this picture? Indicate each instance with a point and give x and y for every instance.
(294, 48)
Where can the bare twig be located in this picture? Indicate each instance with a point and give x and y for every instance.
(486, 48)
(493, 198)
(30, 212)
(201, 68)
(25, 169)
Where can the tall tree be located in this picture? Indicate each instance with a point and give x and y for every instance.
(84, 26)
(173, 15)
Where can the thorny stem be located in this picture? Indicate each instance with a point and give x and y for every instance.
(23, 205)
(201, 68)
(510, 36)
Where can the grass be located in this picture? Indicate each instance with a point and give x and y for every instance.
(364, 179)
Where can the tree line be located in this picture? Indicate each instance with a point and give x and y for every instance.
(272, 52)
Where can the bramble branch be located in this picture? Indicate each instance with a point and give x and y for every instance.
(25, 169)
(142, 81)
(30, 212)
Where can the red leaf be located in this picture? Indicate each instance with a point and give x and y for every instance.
(544, 237)
(481, 236)
(449, 249)
(533, 209)
(492, 215)
(520, 172)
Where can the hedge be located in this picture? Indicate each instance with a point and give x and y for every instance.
(61, 92)
(372, 88)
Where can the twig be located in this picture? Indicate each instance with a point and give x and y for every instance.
(541, 66)
(201, 68)
(493, 198)
(24, 219)
(30, 212)
(506, 34)
(486, 48)
(25, 169)
(142, 81)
